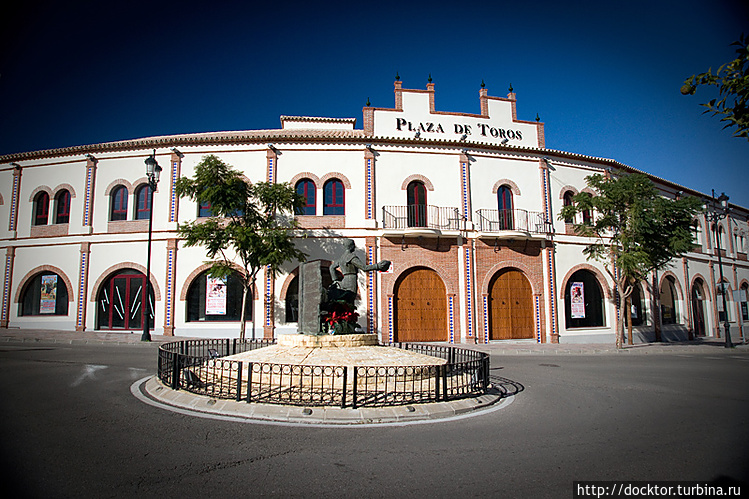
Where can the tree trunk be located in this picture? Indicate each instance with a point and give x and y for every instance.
(244, 312)
(619, 319)
(628, 311)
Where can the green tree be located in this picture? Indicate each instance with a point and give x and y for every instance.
(635, 231)
(250, 224)
(732, 80)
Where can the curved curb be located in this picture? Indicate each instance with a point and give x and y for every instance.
(150, 391)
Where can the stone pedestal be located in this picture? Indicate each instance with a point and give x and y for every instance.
(327, 340)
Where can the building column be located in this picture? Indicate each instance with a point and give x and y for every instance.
(465, 187)
(469, 284)
(369, 185)
(549, 256)
(176, 162)
(10, 255)
(83, 265)
(372, 282)
(15, 194)
(88, 197)
(171, 266)
(688, 298)
(716, 316)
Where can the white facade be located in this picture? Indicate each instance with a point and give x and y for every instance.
(465, 206)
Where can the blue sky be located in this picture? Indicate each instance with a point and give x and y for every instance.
(603, 76)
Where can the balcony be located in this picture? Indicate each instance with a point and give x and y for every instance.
(512, 223)
(421, 220)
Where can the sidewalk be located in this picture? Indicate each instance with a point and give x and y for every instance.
(704, 345)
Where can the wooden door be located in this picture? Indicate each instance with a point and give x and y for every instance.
(510, 306)
(420, 307)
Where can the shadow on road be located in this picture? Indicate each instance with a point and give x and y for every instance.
(503, 386)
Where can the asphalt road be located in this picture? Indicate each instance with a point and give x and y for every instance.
(71, 428)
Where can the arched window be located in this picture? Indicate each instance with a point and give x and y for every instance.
(214, 299)
(638, 311)
(41, 208)
(62, 207)
(306, 188)
(721, 240)
(669, 311)
(697, 234)
(744, 308)
(416, 204)
(119, 203)
(204, 209)
(44, 294)
(333, 204)
(583, 301)
(587, 214)
(122, 301)
(721, 288)
(505, 205)
(143, 202)
(567, 201)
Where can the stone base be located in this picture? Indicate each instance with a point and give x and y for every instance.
(327, 340)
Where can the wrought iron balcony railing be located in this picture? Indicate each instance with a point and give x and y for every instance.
(422, 216)
(533, 222)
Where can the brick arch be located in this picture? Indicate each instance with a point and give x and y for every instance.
(399, 275)
(743, 283)
(599, 275)
(41, 188)
(705, 288)
(337, 175)
(116, 183)
(294, 273)
(122, 266)
(38, 270)
(505, 181)
(536, 287)
(306, 175)
(61, 187)
(590, 191)
(139, 182)
(421, 178)
(567, 188)
(199, 270)
(679, 290)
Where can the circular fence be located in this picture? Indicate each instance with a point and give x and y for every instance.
(199, 366)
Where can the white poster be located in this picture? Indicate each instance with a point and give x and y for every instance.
(215, 296)
(48, 299)
(577, 299)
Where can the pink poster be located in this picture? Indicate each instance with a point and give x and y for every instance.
(578, 301)
(215, 296)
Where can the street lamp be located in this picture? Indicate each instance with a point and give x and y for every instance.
(153, 172)
(717, 214)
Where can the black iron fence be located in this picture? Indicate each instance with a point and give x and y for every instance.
(199, 367)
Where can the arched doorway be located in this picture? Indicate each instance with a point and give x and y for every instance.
(121, 301)
(510, 306)
(420, 307)
(698, 307)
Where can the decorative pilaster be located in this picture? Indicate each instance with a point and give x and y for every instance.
(371, 251)
(537, 316)
(468, 270)
(451, 317)
(171, 266)
(269, 324)
(485, 310)
(550, 275)
(88, 197)
(465, 186)
(391, 326)
(272, 158)
(688, 298)
(369, 176)
(10, 255)
(14, 197)
(83, 265)
(176, 162)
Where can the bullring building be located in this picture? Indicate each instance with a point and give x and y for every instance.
(465, 205)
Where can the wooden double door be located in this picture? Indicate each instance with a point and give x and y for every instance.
(510, 306)
(420, 307)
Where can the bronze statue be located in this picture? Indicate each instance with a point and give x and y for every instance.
(349, 265)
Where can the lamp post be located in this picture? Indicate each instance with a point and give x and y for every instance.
(717, 214)
(153, 172)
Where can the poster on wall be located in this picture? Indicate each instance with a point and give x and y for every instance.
(577, 300)
(48, 299)
(215, 296)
